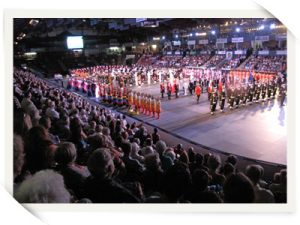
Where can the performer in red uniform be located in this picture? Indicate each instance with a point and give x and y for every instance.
(198, 92)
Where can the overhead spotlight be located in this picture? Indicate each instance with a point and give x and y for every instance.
(272, 26)
(33, 22)
(235, 22)
(176, 36)
(163, 37)
(213, 32)
(237, 29)
(191, 34)
(261, 27)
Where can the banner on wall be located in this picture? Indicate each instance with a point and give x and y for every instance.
(280, 37)
(192, 42)
(177, 53)
(237, 39)
(221, 40)
(239, 52)
(176, 43)
(264, 52)
(281, 52)
(221, 52)
(203, 42)
(262, 38)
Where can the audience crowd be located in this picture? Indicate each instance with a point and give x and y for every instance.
(266, 63)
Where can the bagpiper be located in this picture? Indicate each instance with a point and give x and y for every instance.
(169, 90)
(162, 89)
(257, 92)
(222, 98)
(153, 106)
(130, 100)
(283, 94)
(134, 95)
(213, 102)
(232, 97)
(158, 107)
(149, 105)
(270, 89)
(263, 91)
(251, 93)
(243, 95)
(237, 97)
(137, 103)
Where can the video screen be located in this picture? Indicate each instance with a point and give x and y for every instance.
(74, 42)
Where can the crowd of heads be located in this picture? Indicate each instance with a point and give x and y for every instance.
(68, 150)
(267, 63)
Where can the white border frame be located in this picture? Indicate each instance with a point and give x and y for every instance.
(199, 208)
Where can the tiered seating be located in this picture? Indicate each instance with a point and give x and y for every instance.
(234, 62)
(195, 61)
(169, 61)
(266, 63)
(214, 61)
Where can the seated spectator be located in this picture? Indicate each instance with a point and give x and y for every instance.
(46, 123)
(134, 168)
(214, 163)
(198, 163)
(280, 190)
(262, 195)
(46, 186)
(100, 187)
(29, 107)
(22, 122)
(228, 169)
(62, 127)
(18, 146)
(199, 192)
(148, 149)
(39, 150)
(167, 160)
(135, 148)
(155, 136)
(177, 176)
(51, 111)
(74, 175)
(238, 189)
(153, 174)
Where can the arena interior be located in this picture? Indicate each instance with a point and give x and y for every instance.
(150, 110)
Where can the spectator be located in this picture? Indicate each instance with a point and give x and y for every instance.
(74, 174)
(155, 136)
(134, 168)
(18, 155)
(46, 186)
(39, 150)
(176, 176)
(262, 195)
(238, 189)
(280, 190)
(214, 163)
(153, 174)
(100, 187)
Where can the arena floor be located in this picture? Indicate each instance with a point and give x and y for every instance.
(257, 131)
